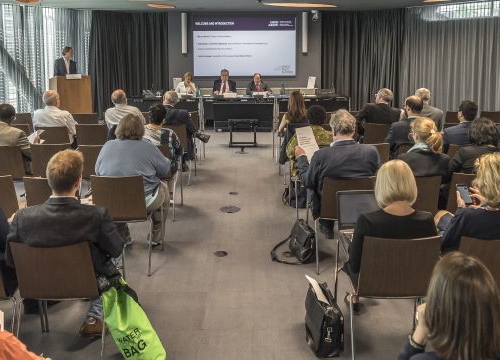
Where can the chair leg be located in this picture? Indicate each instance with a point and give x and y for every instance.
(123, 263)
(195, 157)
(296, 199)
(14, 316)
(173, 196)
(162, 226)
(351, 313)
(189, 172)
(103, 336)
(44, 318)
(19, 314)
(317, 245)
(182, 192)
(150, 247)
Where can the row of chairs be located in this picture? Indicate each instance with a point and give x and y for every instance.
(84, 119)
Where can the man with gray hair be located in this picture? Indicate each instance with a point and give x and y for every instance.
(379, 112)
(113, 115)
(344, 159)
(428, 111)
(52, 116)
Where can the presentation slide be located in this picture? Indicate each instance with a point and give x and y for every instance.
(245, 45)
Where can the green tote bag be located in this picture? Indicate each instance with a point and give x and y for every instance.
(130, 327)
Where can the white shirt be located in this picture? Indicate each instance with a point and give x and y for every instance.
(183, 89)
(66, 61)
(119, 111)
(52, 116)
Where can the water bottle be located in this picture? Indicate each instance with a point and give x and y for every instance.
(282, 92)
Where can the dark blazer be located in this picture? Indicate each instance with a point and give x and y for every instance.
(458, 134)
(465, 157)
(251, 87)
(218, 83)
(376, 114)
(427, 163)
(64, 221)
(344, 159)
(181, 117)
(398, 134)
(60, 67)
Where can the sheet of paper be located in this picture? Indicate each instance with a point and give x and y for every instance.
(33, 136)
(307, 141)
(319, 293)
(311, 81)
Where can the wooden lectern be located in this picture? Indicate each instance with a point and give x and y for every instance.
(75, 94)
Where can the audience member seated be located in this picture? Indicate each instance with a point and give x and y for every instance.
(223, 85)
(428, 111)
(113, 115)
(395, 192)
(8, 274)
(257, 85)
(11, 136)
(316, 117)
(379, 112)
(459, 134)
(481, 219)
(343, 159)
(296, 111)
(181, 117)
(62, 221)
(399, 132)
(128, 155)
(186, 86)
(156, 134)
(52, 116)
(461, 315)
(483, 137)
(425, 157)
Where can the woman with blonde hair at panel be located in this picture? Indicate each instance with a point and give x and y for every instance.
(186, 86)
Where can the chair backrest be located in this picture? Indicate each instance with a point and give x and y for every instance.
(327, 127)
(457, 178)
(165, 150)
(3, 293)
(353, 203)
(23, 127)
(65, 272)
(37, 190)
(428, 193)
(86, 119)
(23, 118)
(91, 134)
(384, 150)
(195, 118)
(492, 115)
(488, 251)
(375, 133)
(403, 148)
(41, 154)
(451, 117)
(11, 162)
(54, 135)
(397, 267)
(329, 202)
(452, 150)
(123, 196)
(90, 154)
(181, 132)
(8, 197)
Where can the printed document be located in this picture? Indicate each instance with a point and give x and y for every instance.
(307, 141)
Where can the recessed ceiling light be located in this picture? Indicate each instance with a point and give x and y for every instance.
(432, 1)
(24, 2)
(299, 5)
(161, 6)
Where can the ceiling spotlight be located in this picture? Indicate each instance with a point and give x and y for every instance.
(299, 5)
(161, 6)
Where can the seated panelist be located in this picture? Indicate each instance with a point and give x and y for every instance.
(187, 86)
(257, 85)
(223, 85)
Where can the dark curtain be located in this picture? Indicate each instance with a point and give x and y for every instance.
(361, 53)
(127, 51)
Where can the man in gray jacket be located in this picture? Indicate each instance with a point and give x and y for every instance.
(428, 111)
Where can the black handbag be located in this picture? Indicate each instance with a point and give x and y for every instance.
(301, 242)
(324, 324)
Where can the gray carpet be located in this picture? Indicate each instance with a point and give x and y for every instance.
(242, 306)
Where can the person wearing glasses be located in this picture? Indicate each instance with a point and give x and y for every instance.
(379, 112)
(399, 132)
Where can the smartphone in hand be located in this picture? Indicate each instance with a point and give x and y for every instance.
(463, 189)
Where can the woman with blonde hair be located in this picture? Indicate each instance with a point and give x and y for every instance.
(296, 111)
(461, 316)
(425, 157)
(186, 86)
(480, 220)
(395, 192)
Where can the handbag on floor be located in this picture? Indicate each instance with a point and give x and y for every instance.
(301, 242)
(324, 323)
(128, 324)
(288, 196)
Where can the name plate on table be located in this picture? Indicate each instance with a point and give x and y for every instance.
(73, 76)
(230, 95)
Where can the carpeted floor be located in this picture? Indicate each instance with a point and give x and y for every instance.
(242, 306)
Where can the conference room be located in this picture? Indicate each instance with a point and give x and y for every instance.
(262, 179)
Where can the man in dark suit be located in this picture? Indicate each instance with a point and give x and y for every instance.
(399, 132)
(223, 85)
(63, 221)
(379, 112)
(429, 111)
(459, 134)
(181, 117)
(257, 85)
(64, 65)
(343, 159)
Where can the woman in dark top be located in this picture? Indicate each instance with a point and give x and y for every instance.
(461, 316)
(395, 191)
(481, 220)
(425, 157)
(483, 137)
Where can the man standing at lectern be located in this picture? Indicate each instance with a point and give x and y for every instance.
(224, 85)
(65, 65)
